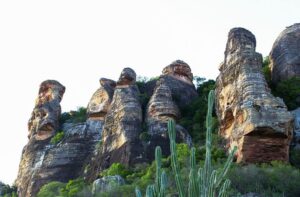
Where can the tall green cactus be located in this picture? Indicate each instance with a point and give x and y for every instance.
(207, 182)
(204, 182)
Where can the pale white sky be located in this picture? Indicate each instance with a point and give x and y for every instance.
(77, 42)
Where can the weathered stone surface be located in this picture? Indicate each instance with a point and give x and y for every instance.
(43, 162)
(178, 77)
(285, 54)
(101, 99)
(180, 70)
(160, 109)
(296, 139)
(123, 123)
(44, 118)
(107, 183)
(251, 118)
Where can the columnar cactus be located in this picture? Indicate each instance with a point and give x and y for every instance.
(207, 182)
(203, 182)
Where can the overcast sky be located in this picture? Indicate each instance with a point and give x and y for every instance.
(77, 42)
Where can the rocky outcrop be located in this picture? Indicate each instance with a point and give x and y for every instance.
(160, 109)
(99, 104)
(179, 78)
(44, 118)
(251, 118)
(107, 183)
(123, 124)
(43, 161)
(285, 54)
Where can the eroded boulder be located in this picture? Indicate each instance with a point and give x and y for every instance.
(106, 184)
(251, 118)
(285, 55)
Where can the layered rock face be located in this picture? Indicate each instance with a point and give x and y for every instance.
(43, 162)
(99, 104)
(123, 123)
(251, 118)
(44, 118)
(285, 54)
(179, 78)
(160, 109)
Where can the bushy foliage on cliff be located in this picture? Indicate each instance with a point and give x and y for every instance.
(7, 190)
(57, 137)
(288, 90)
(80, 115)
(193, 116)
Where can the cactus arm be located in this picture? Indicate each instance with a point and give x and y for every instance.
(174, 161)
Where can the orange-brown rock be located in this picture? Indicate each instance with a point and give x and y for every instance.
(101, 99)
(251, 118)
(44, 118)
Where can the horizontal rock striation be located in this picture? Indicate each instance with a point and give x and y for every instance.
(251, 118)
(43, 161)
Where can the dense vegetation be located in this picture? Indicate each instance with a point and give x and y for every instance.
(78, 116)
(288, 90)
(7, 190)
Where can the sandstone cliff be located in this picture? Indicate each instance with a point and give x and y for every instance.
(285, 55)
(42, 161)
(251, 118)
(123, 123)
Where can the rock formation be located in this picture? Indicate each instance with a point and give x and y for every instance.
(123, 124)
(285, 54)
(42, 161)
(44, 118)
(99, 104)
(179, 78)
(250, 117)
(160, 109)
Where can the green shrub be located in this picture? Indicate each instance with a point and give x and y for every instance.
(295, 157)
(78, 116)
(275, 179)
(73, 188)
(57, 137)
(193, 115)
(289, 91)
(266, 70)
(51, 189)
(115, 169)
